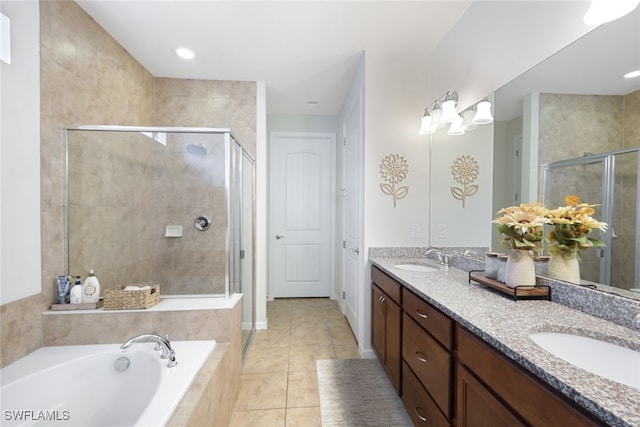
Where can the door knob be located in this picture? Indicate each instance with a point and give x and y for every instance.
(278, 237)
(355, 251)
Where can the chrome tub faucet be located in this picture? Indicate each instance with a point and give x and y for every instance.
(164, 343)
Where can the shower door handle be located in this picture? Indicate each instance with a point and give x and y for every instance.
(278, 237)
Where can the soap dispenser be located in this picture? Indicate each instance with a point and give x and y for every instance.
(91, 288)
(75, 295)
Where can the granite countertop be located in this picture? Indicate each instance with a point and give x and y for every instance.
(506, 324)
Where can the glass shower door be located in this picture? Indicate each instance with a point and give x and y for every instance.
(611, 181)
(587, 179)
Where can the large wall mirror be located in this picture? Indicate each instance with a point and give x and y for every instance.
(575, 108)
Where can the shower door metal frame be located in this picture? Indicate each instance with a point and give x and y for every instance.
(608, 162)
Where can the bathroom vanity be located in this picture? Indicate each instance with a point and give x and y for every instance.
(466, 357)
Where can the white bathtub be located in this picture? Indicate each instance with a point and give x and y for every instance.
(78, 385)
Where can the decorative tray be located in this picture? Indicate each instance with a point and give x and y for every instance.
(519, 292)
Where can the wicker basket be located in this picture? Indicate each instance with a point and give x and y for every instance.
(118, 299)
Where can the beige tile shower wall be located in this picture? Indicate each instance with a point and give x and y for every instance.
(572, 125)
(212, 103)
(110, 202)
(624, 246)
(193, 186)
(187, 186)
(86, 77)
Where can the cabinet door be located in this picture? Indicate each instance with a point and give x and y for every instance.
(478, 407)
(393, 334)
(386, 318)
(378, 329)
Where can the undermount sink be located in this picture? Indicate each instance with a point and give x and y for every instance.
(415, 267)
(602, 358)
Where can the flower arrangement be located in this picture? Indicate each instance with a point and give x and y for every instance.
(571, 227)
(522, 227)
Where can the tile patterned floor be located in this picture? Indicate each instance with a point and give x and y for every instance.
(279, 386)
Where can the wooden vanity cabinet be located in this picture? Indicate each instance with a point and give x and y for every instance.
(386, 326)
(492, 390)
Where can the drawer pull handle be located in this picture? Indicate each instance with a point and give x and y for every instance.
(423, 418)
(421, 357)
(421, 314)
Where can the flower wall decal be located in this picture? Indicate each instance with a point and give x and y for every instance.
(465, 171)
(394, 169)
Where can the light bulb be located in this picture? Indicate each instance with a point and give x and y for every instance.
(483, 114)
(425, 123)
(467, 119)
(456, 127)
(449, 112)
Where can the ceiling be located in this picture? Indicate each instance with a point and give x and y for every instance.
(303, 50)
(592, 65)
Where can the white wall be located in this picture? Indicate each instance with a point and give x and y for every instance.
(468, 225)
(496, 41)
(395, 94)
(20, 266)
(302, 123)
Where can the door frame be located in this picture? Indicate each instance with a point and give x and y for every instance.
(273, 136)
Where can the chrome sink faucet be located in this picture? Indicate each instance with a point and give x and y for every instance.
(165, 345)
(442, 257)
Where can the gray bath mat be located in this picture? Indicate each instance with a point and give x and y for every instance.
(357, 392)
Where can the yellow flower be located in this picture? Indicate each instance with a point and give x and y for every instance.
(522, 226)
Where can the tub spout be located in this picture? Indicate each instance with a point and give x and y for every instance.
(165, 345)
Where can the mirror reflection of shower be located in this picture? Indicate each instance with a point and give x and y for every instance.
(610, 180)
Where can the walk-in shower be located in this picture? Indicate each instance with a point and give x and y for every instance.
(172, 206)
(611, 181)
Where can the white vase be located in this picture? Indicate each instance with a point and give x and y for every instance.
(520, 269)
(566, 269)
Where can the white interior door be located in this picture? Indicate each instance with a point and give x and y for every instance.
(352, 215)
(302, 218)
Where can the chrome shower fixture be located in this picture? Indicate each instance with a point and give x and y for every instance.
(197, 150)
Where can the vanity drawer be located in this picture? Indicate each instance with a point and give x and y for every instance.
(436, 323)
(421, 408)
(388, 285)
(430, 362)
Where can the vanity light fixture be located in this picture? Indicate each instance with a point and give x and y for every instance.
(449, 113)
(473, 116)
(185, 53)
(602, 11)
(632, 74)
(483, 114)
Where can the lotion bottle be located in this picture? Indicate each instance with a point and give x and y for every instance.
(91, 288)
(75, 295)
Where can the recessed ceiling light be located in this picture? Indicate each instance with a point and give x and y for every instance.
(185, 53)
(632, 74)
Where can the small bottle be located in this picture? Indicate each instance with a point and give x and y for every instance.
(75, 296)
(91, 288)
